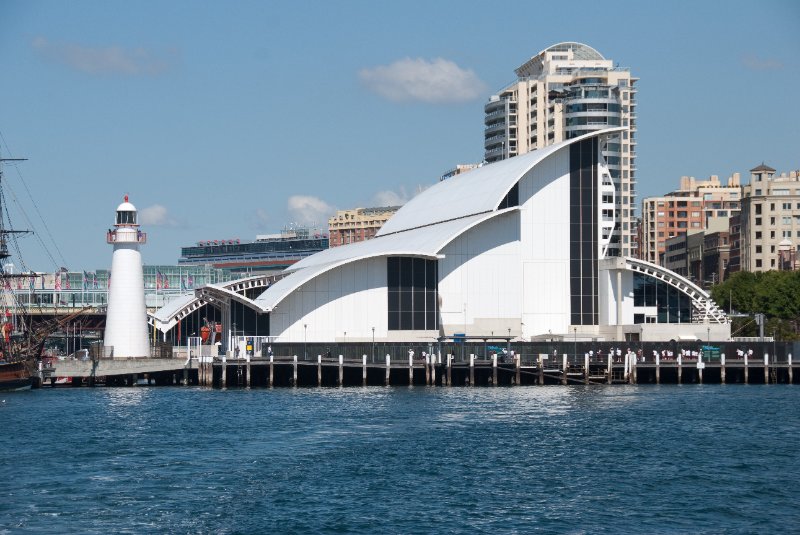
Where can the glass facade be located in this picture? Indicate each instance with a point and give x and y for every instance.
(413, 284)
(672, 305)
(90, 288)
(583, 232)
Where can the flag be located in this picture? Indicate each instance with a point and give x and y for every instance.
(94, 280)
(7, 284)
(165, 281)
(57, 278)
(31, 282)
(183, 284)
(158, 280)
(191, 281)
(19, 283)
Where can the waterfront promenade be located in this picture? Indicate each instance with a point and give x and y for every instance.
(457, 365)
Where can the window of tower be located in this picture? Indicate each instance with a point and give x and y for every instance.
(126, 218)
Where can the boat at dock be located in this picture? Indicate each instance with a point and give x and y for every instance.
(15, 376)
(21, 340)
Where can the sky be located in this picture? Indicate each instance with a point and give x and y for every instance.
(227, 120)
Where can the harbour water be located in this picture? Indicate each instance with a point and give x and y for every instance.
(635, 459)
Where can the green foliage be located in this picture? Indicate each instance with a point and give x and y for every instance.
(776, 294)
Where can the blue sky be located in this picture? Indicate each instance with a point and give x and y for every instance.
(230, 119)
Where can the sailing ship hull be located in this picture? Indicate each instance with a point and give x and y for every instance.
(15, 376)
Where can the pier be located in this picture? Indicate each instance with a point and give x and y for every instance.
(470, 365)
(289, 371)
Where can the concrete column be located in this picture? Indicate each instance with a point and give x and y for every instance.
(364, 370)
(319, 370)
(388, 368)
(541, 370)
(494, 370)
(790, 370)
(449, 379)
(700, 366)
(658, 369)
(341, 370)
(586, 368)
(471, 369)
(634, 368)
(224, 371)
(564, 369)
(722, 368)
(271, 371)
(517, 369)
(766, 368)
(746, 368)
(294, 371)
(680, 369)
(410, 370)
(427, 370)
(247, 370)
(610, 368)
(433, 368)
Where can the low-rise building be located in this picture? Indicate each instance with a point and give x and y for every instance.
(689, 208)
(358, 224)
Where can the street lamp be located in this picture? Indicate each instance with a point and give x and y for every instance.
(575, 334)
(373, 344)
(305, 341)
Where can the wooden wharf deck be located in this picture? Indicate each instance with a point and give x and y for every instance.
(447, 371)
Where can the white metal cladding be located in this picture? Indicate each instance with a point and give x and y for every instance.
(477, 191)
(425, 242)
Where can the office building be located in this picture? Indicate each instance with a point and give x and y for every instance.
(269, 253)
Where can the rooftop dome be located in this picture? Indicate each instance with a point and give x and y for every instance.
(126, 206)
(579, 50)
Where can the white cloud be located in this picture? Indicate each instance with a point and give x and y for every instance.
(260, 220)
(437, 81)
(105, 60)
(390, 198)
(156, 216)
(754, 63)
(308, 210)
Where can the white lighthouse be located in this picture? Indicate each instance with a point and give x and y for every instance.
(126, 319)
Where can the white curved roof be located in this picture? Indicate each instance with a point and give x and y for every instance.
(478, 191)
(172, 307)
(424, 242)
(427, 223)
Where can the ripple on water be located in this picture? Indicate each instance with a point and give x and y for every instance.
(713, 459)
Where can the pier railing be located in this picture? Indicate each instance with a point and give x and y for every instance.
(530, 352)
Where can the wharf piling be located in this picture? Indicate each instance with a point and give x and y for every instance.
(542, 365)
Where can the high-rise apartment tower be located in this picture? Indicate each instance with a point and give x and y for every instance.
(567, 90)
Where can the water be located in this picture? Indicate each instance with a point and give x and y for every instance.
(660, 459)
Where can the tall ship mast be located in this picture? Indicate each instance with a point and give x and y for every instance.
(21, 342)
